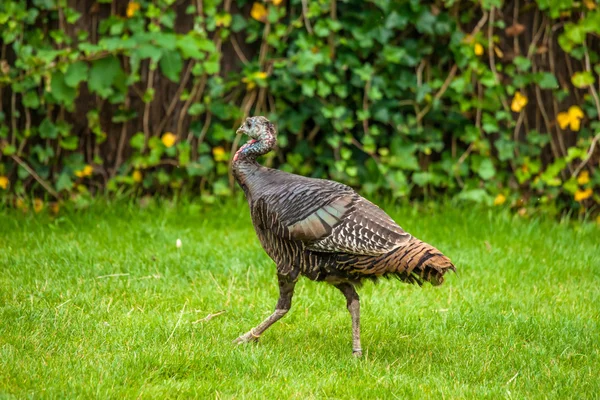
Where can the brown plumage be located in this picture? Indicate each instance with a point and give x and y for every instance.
(325, 231)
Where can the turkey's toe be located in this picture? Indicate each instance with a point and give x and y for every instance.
(246, 338)
(357, 353)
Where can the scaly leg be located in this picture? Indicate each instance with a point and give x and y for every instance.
(286, 291)
(353, 304)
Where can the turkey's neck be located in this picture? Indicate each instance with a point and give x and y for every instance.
(244, 161)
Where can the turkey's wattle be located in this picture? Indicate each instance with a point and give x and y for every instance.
(325, 231)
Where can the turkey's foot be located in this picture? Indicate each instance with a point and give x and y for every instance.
(247, 338)
(357, 353)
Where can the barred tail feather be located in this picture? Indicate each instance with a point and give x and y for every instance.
(418, 261)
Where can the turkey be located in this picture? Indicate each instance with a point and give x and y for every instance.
(325, 231)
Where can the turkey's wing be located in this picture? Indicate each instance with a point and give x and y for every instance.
(329, 221)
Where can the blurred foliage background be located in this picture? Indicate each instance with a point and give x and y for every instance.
(486, 101)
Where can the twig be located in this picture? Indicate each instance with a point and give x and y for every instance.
(111, 275)
(238, 50)
(491, 56)
(146, 122)
(178, 322)
(121, 145)
(588, 68)
(171, 108)
(62, 304)
(306, 20)
(42, 182)
(513, 378)
(588, 156)
(197, 92)
(365, 106)
(209, 317)
(331, 38)
(440, 92)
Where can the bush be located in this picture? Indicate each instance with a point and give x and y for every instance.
(489, 103)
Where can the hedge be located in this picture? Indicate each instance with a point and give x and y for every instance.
(491, 101)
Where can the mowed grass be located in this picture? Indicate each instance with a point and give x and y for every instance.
(101, 304)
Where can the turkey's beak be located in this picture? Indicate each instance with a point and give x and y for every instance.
(240, 130)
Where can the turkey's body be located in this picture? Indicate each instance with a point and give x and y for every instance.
(375, 245)
(325, 231)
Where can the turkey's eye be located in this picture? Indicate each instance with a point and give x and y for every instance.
(248, 124)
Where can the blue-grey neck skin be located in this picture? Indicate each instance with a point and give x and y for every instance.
(244, 161)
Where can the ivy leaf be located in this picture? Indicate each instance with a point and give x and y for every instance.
(486, 169)
(69, 143)
(422, 178)
(103, 74)
(171, 65)
(583, 79)
(548, 81)
(31, 99)
(64, 182)
(475, 195)
(77, 72)
(522, 63)
(62, 93)
(48, 130)
(137, 141)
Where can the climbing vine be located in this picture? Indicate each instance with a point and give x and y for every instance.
(491, 101)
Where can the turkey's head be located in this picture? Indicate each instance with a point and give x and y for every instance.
(262, 136)
(258, 128)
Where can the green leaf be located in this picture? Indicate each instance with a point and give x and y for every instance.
(62, 93)
(547, 81)
(171, 65)
(522, 63)
(31, 99)
(103, 74)
(196, 109)
(583, 79)
(475, 195)
(137, 141)
(48, 130)
(77, 72)
(422, 178)
(64, 182)
(486, 169)
(69, 143)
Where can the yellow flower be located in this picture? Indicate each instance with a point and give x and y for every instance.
(581, 195)
(38, 205)
(277, 2)
(583, 178)
(589, 4)
(168, 139)
(518, 102)
(598, 219)
(258, 12)
(54, 207)
(3, 182)
(20, 205)
(219, 153)
(250, 81)
(137, 176)
(478, 49)
(572, 118)
(132, 8)
(86, 171)
(499, 200)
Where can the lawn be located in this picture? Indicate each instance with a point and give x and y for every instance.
(102, 304)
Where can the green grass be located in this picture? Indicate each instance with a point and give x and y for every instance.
(101, 304)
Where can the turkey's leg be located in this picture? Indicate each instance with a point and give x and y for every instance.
(353, 305)
(286, 291)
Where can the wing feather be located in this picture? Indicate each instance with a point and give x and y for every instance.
(327, 217)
